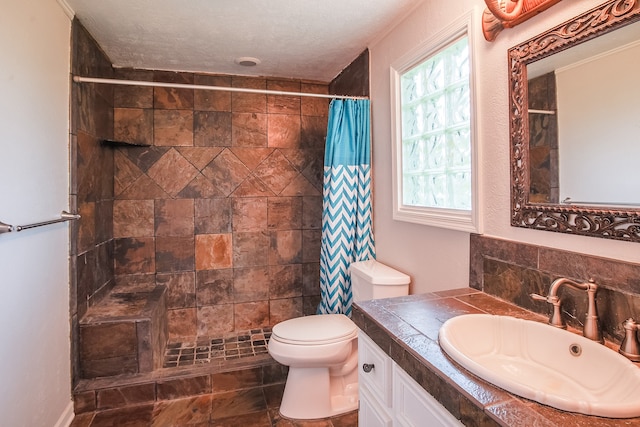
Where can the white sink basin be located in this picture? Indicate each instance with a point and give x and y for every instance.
(542, 363)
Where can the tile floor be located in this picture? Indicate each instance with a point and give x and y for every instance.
(251, 407)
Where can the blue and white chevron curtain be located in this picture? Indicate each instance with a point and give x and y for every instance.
(347, 234)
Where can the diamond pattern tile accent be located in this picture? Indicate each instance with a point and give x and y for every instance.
(276, 172)
(173, 172)
(200, 157)
(226, 172)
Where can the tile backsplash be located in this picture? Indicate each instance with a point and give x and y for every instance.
(513, 270)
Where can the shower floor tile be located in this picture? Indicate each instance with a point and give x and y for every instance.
(206, 349)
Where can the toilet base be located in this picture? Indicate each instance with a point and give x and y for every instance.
(311, 393)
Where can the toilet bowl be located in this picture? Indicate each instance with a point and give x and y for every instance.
(322, 354)
(322, 350)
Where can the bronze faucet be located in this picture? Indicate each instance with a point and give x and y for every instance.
(630, 347)
(591, 326)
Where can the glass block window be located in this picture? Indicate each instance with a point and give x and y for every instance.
(435, 127)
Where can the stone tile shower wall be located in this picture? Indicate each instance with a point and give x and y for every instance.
(224, 205)
(513, 270)
(91, 184)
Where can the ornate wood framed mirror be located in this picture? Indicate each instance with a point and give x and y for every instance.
(541, 138)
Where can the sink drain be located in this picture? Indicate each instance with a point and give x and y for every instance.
(575, 350)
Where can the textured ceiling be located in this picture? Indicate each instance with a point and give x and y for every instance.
(304, 39)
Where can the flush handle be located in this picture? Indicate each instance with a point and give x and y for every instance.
(367, 367)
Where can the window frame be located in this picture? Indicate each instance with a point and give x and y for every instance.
(456, 219)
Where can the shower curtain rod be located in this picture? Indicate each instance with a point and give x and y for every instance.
(79, 79)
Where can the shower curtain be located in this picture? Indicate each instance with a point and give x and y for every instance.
(347, 234)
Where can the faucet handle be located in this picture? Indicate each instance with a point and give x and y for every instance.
(556, 319)
(630, 347)
(538, 297)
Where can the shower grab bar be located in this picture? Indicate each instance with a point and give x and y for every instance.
(64, 216)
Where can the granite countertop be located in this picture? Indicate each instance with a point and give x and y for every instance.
(406, 328)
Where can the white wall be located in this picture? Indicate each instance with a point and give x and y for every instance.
(35, 384)
(438, 258)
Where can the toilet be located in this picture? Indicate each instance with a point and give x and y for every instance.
(322, 350)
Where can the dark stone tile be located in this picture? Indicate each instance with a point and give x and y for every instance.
(182, 322)
(208, 100)
(84, 402)
(250, 214)
(285, 281)
(212, 129)
(313, 132)
(173, 128)
(285, 213)
(102, 341)
(311, 245)
(181, 288)
(213, 216)
(312, 213)
(251, 315)
(132, 416)
(254, 419)
(273, 394)
(276, 172)
(183, 412)
(235, 380)
(174, 217)
(283, 131)
(214, 287)
(226, 172)
(314, 106)
(274, 373)
(279, 104)
(248, 102)
(249, 130)
(133, 125)
(311, 279)
(284, 309)
(250, 284)
(237, 403)
(133, 218)
(175, 254)
(172, 98)
(285, 247)
(349, 419)
(172, 172)
(183, 387)
(354, 79)
(142, 157)
(119, 397)
(133, 96)
(250, 249)
(134, 255)
(215, 320)
(109, 367)
(82, 420)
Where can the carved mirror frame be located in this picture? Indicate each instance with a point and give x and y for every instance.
(606, 222)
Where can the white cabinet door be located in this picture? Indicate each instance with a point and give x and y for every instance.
(414, 407)
(371, 413)
(374, 369)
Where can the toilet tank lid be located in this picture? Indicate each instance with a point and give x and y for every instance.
(378, 273)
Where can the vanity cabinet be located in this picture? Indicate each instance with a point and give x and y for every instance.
(389, 397)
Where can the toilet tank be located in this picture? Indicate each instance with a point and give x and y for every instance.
(373, 280)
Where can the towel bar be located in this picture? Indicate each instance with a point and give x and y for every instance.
(64, 216)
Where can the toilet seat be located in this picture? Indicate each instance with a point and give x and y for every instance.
(315, 330)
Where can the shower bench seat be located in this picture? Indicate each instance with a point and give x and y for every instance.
(125, 333)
